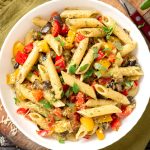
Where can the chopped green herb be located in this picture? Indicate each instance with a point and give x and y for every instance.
(84, 67)
(141, 25)
(62, 43)
(70, 104)
(88, 73)
(108, 31)
(75, 88)
(62, 141)
(72, 69)
(99, 67)
(129, 83)
(45, 104)
(118, 45)
(95, 53)
(68, 92)
(106, 49)
(16, 101)
(29, 74)
(98, 74)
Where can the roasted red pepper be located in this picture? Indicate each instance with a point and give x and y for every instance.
(64, 30)
(79, 37)
(21, 57)
(28, 48)
(60, 63)
(22, 111)
(100, 55)
(56, 28)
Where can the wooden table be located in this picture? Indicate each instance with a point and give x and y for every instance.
(5, 144)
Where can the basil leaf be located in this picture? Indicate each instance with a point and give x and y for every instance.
(99, 67)
(62, 43)
(72, 69)
(95, 52)
(118, 45)
(62, 141)
(45, 104)
(98, 74)
(68, 92)
(108, 31)
(106, 49)
(83, 68)
(16, 101)
(88, 73)
(75, 88)
(129, 83)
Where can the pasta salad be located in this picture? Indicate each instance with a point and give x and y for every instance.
(74, 76)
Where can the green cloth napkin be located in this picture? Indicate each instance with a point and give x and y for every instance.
(11, 11)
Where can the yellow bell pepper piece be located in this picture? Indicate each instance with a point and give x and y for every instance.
(70, 38)
(18, 46)
(104, 118)
(43, 46)
(88, 123)
(100, 134)
(108, 45)
(11, 78)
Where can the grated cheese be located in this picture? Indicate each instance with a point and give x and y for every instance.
(2, 141)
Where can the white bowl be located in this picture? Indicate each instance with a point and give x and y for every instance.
(19, 31)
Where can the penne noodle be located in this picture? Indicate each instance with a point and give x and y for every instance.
(88, 59)
(34, 107)
(117, 30)
(83, 23)
(54, 44)
(29, 37)
(53, 75)
(109, 93)
(133, 78)
(99, 102)
(49, 96)
(118, 60)
(29, 63)
(126, 49)
(79, 13)
(83, 87)
(79, 53)
(92, 32)
(43, 73)
(99, 111)
(38, 21)
(81, 132)
(32, 77)
(39, 120)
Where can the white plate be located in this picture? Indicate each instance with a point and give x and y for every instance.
(18, 32)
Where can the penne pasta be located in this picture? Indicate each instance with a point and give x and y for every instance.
(99, 102)
(109, 93)
(118, 60)
(54, 44)
(79, 13)
(79, 53)
(50, 97)
(43, 73)
(117, 30)
(38, 21)
(27, 66)
(92, 32)
(126, 49)
(54, 78)
(39, 120)
(81, 132)
(99, 111)
(83, 87)
(29, 37)
(83, 23)
(32, 77)
(88, 59)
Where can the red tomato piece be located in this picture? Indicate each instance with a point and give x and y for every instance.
(136, 82)
(79, 37)
(100, 55)
(28, 48)
(22, 111)
(56, 28)
(72, 98)
(36, 72)
(104, 81)
(99, 18)
(80, 99)
(21, 57)
(65, 87)
(114, 116)
(111, 58)
(126, 111)
(115, 124)
(51, 121)
(60, 63)
(125, 92)
(87, 136)
(57, 112)
(43, 133)
(64, 29)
